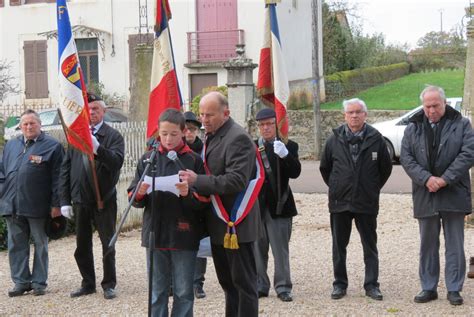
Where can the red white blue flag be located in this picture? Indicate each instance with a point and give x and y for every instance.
(164, 88)
(242, 204)
(272, 85)
(73, 105)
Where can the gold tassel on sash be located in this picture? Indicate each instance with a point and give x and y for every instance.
(230, 239)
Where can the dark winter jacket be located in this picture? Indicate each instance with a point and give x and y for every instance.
(76, 182)
(197, 146)
(178, 221)
(290, 167)
(355, 187)
(31, 177)
(454, 158)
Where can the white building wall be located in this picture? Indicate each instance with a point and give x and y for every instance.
(20, 23)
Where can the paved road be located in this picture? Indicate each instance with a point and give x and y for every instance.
(310, 180)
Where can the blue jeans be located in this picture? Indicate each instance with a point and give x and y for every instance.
(20, 229)
(178, 265)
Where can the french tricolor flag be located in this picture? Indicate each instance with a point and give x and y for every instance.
(272, 85)
(73, 107)
(164, 88)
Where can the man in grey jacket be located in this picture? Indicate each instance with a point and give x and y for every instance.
(437, 153)
(229, 158)
(31, 164)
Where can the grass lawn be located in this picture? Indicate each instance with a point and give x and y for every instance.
(403, 93)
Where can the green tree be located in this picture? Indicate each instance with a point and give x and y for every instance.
(441, 40)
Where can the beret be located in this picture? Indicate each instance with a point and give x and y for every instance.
(189, 116)
(265, 113)
(91, 97)
(56, 227)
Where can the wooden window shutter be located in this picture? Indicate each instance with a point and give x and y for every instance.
(42, 69)
(30, 87)
(36, 69)
(15, 2)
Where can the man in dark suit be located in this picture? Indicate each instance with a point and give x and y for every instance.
(78, 197)
(230, 157)
(277, 205)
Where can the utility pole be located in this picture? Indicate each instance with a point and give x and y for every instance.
(317, 56)
(441, 19)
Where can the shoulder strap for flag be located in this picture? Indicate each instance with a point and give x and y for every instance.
(280, 200)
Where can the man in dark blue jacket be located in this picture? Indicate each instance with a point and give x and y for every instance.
(437, 153)
(277, 206)
(355, 165)
(31, 164)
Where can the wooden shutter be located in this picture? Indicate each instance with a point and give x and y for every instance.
(36, 69)
(15, 2)
(42, 69)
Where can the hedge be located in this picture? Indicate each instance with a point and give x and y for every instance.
(350, 82)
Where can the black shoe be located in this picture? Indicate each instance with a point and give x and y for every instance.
(374, 293)
(39, 292)
(109, 293)
(18, 291)
(199, 292)
(285, 297)
(82, 291)
(262, 294)
(338, 292)
(426, 296)
(455, 298)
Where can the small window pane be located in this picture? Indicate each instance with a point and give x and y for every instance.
(86, 44)
(48, 117)
(94, 68)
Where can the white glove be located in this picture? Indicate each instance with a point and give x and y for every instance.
(95, 143)
(67, 212)
(280, 149)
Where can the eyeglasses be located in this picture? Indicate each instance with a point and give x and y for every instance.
(265, 124)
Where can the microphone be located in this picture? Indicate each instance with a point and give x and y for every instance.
(174, 157)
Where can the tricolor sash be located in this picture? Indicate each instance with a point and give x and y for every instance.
(242, 205)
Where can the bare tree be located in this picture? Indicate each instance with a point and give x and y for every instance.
(8, 83)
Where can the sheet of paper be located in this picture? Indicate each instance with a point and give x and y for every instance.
(163, 183)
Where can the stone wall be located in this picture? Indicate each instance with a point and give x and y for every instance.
(301, 128)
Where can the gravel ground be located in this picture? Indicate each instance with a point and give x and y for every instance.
(311, 273)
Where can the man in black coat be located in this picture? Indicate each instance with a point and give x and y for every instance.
(437, 153)
(78, 197)
(277, 205)
(355, 165)
(193, 127)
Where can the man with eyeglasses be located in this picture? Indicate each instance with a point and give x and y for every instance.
(437, 153)
(355, 165)
(277, 206)
(191, 133)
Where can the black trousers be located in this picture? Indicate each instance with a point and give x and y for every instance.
(237, 274)
(104, 221)
(341, 226)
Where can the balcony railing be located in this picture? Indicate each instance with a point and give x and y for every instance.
(213, 46)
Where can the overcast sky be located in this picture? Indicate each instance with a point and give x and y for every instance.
(405, 21)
